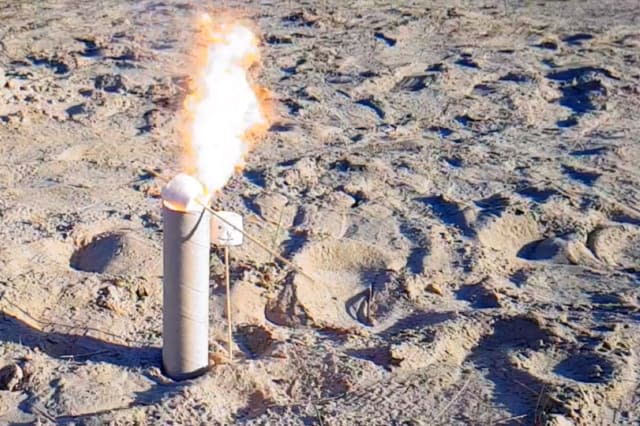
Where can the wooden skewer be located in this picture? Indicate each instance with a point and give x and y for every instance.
(229, 323)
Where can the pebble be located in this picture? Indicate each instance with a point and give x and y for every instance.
(10, 377)
(435, 289)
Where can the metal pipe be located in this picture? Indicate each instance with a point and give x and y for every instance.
(185, 328)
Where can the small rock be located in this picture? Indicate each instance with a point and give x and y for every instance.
(257, 340)
(340, 200)
(28, 368)
(218, 358)
(595, 371)
(142, 291)
(435, 289)
(112, 83)
(12, 84)
(311, 93)
(110, 298)
(3, 78)
(11, 377)
(482, 295)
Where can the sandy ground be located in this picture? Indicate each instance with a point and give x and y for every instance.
(459, 178)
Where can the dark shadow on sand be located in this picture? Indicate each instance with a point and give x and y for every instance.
(80, 348)
(516, 389)
(75, 347)
(449, 212)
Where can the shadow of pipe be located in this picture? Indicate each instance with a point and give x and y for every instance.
(82, 349)
(75, 347)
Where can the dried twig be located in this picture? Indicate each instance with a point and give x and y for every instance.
(536, 412)
(73, 356)
(43, 413)
(454, 399)
(318, 415)
(277, 233)
(511, 419)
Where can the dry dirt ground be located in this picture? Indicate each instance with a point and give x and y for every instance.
(459, 178)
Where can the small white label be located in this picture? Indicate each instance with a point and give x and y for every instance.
(222, 231)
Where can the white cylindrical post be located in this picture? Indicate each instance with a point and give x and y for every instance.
(187, 230)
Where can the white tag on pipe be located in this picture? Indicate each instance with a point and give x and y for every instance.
(222, 233)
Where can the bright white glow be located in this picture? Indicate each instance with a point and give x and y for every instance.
(224, 107)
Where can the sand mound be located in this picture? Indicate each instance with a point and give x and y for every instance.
(117, 253)
(508, 234)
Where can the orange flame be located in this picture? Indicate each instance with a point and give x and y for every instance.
(225, 112)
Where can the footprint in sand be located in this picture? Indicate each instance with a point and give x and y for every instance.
(526, 360)
(616, 245)
(518, 236)
(514, 387)
(585, 368)
(584, 90)
(351, 285)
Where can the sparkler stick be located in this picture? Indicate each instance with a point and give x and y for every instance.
(223, 114)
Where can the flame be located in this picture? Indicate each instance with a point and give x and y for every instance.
(224, 112)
